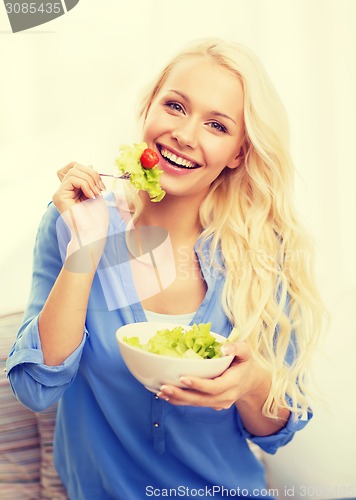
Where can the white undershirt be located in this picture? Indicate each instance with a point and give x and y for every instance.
(182, 319)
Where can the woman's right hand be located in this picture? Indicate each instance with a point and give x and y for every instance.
(81, 206)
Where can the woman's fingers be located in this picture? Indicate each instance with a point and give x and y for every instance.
(220, 392)
(79, 183)
(75, 169)
(62, 171)
(86, 173)
(184, 397)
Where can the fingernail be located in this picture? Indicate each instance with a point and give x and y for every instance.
(228, 349)
(162, 396)
(166, 390)
(185, 381)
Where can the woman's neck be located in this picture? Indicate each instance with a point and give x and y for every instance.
(178, 215)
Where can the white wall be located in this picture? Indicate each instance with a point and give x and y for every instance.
(68, 91)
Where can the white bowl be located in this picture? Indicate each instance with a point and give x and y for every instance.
(153, 370)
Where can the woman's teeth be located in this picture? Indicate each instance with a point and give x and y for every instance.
(177, 160)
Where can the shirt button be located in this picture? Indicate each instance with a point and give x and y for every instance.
(156, 424)
(156, 397)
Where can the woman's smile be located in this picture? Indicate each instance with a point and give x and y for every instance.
(172, 161)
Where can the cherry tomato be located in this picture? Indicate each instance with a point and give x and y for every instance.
(149, 158)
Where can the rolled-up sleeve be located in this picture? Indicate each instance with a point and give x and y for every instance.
(271, 443)
(296, 421)
(35, 384)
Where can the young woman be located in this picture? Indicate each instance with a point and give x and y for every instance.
(237, 257)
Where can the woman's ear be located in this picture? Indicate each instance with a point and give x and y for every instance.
(236, 162)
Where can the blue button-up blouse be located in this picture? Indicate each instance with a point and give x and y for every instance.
(114, 439)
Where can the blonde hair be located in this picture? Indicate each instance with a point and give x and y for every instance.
(270, 293)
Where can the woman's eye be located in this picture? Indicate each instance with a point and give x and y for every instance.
(217, 126)
(175, 106)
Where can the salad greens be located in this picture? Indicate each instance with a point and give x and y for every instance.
(196, 342)
(146, 179)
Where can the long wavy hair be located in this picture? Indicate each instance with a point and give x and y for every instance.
(249, 216)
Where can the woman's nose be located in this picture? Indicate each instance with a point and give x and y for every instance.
(186, 134)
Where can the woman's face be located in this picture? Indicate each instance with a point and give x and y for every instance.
(195, 123)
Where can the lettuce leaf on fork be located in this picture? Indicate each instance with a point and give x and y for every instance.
(145, 179)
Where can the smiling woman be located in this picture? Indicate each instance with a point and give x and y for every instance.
(220, 134)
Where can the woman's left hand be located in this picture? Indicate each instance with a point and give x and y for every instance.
(243, 379)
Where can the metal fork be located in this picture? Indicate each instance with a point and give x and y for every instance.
(126, 175)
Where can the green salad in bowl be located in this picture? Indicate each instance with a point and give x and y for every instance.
(161, 353)
(195, 342)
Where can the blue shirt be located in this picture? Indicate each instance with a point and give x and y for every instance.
(114, 439)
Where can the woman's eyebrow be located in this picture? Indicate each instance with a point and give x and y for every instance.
(214, 113)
